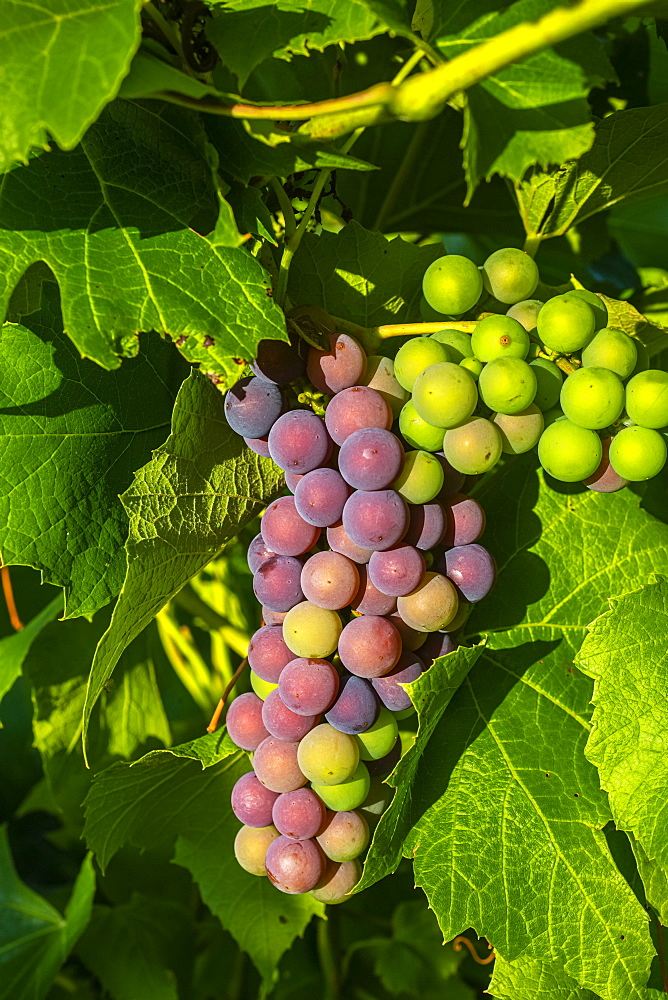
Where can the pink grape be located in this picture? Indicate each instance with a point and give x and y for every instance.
(244, 721)
(329, 580)
(344, 835)
(356, 707)
(343, 365)
(298, 441)
(408, 669)
(294, 866)
(340, 541)
(308, 686)
(337, 882)
(605, 479)
(252, 406)
(466, 520)
(259, 445)
(369, 646)
(270, 617)
(472, 569)
(396, 571)
(356, 409)
(292, 479)
(369, 600)
(277, 583)
(375, 520)
(276, 766)
(298, 815)
(285, 530)
(426, 526)
(267, 653)
(371, 458)
(258, 552)
(284, 724)
(252, 803)
(320, 497)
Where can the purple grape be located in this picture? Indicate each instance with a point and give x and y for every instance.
(270, 617)
(369, 600)
(285, 530)
(426, 526)
(252, 803)
(356, 706)
(436, 644)
(343, 365)
(466, 520)
(472, 570)
(259, 445)
(411, 639)
(244, 721)
(375, 520)
(320, 497)
(385, 765)
(371, 458)
(278, 362)
(268, 654)
(369, 646)
(258, 552)
(408, 669)
(396, 571)
(308, 686)
(252, 406)
(298, 441)
(281, 722)
(355, 409)
(299, 814)
(453, 481)
(294, 866)
(330, 580)
(275, 764)
(292, 479)
(339, 540)
(276, 583)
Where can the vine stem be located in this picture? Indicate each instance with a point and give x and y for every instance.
(215, 718)
(327, 960)
(168, 31)
(289, 220)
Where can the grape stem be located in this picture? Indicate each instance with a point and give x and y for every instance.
(8, 591)
(215, 718)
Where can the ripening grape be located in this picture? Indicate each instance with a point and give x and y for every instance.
(381, 377)
(378, 740)
(474, 447)
(252, 406)
(343, 365)
(453, 479)
(427, 522)
(431, 606)
(285, 530)
(396, 571)
(548, 383)
(465, 520)
(566, 323)
(592, 397)
(261, 687)
(337, 883)
(339, 540)
(416, 355)
(407, 670)
(568, 452)
(283, 723)
(278, 362)
(375, 519)
(369, 646)
(526, 313)
(329, 580)
(258, 552)
(320, 496)
(298, 814)
(638, 453)
(472, 569)
(445, 394)
(251, 845)
(452, 285)
(499, 337)
(277, 583)
(344, 835)
(507, 385)
(259, 445)
(520, 432)
(417, 432)
(345, 795)
(369, 600)
(294, 866)
(252, 803)
(457, 342)
(267, 653)
(355, 708)
(298, 441)
(437, 644)
(244, 721)
(356, 409)
(327, 756)
(411, 639)
(370, 459)
(647, 399)
(308, 686)
(311, 631)
(270, 617)
(605, 479)
(510, 275)
(596, 304)
(612, 349)
(276, 765)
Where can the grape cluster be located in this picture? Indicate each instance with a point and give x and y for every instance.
(365, 571)
(502, 388)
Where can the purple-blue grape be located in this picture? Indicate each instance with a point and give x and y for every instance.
(426, 526)
(278, 362)
(375, 520)
(369, 600)
(407, 670)
(252, 407)
(298, 441)
(244, 721)
(320, 497)
(258, 552)
(282, 722)
(339, 540)
(268, 654)
(436, 644)
(466, 520)
(396, 571)
(472, 570)
(371, 458)
(277, 583)
(285, 530)
(252, 803)
(259, 445)
(356, 707)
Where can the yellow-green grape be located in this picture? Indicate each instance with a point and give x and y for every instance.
(445, 394)
(457, 342)
(262, 688)
(554, 413)
(638, 453)
(548, 383)
(345, 795)
(421, 478)
(647, 399)
(472, 365)
(416, 355)
(377, 741)
(526, 313)
(568, 452)
(592, 397)
(417, 431)
(327, 756)
(251, 845)
(596, 304)
(431, 606)
(611, 349)
(566, 323)
(499, 337)
(311, 631)
(510, 275)
(520, 432)
(452, 285)
(380, 376)
(507, 385)
(642, 364)
(404, 713)
(473, 447)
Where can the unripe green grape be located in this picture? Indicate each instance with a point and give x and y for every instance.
(510, 275)
(376, 802)
(647, 399)
(533, 352)
(569, 453)
(417, 431)
(554, 413)
(416, 355)
(472, 365)
(452, 284)
(499, 337)
(445, 394)
(262, 688)
(549, 381)
(421, 478)
(592, 397)
(457, 342)
(380, 376)
(473, 447)
(327, 756)
(526, 313)
(612, 349)
(597, 305)
(377, 741)
(346, 795)
(311, 631)
(642, 363)
(638, 453)
(507, 385)
(566, 323)
(405, 713)
(520, 432)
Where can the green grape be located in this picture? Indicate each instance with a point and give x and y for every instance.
(533, 352)
(445, 394)
(472, 365)
(473, 447)
(638, 453)
(421, 478)
(417, 431)
(507, 385)
(566, 323)
(510, 275)
(416, 355)
(311, 631)
(250, 847)
(404, 713)
(549, 381)
(521, 431)
(346, 795)
(457, 342)
(452, 284)
(592, 397)
(642, 363)
(499, 337)
(380, 376)
(526, 313)
(376, 802)
(377, 741)
(597, 305)
(568, 452)
(647, 399)
(554, 413)
(611, 349)
(262, 688)
(327, 756)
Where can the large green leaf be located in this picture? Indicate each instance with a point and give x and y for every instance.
(200, 488)
(35, 939)
(37, 48)
(118, 222)
(14, 648)
(531, 979)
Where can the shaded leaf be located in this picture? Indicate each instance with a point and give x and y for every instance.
(14, 648)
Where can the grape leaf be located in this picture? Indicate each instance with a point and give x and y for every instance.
(35, 939)
(200, 488)
(118, 222)
(151, 76)
(37, 44)
(14, 648)
(654, 879)
(531, 979)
